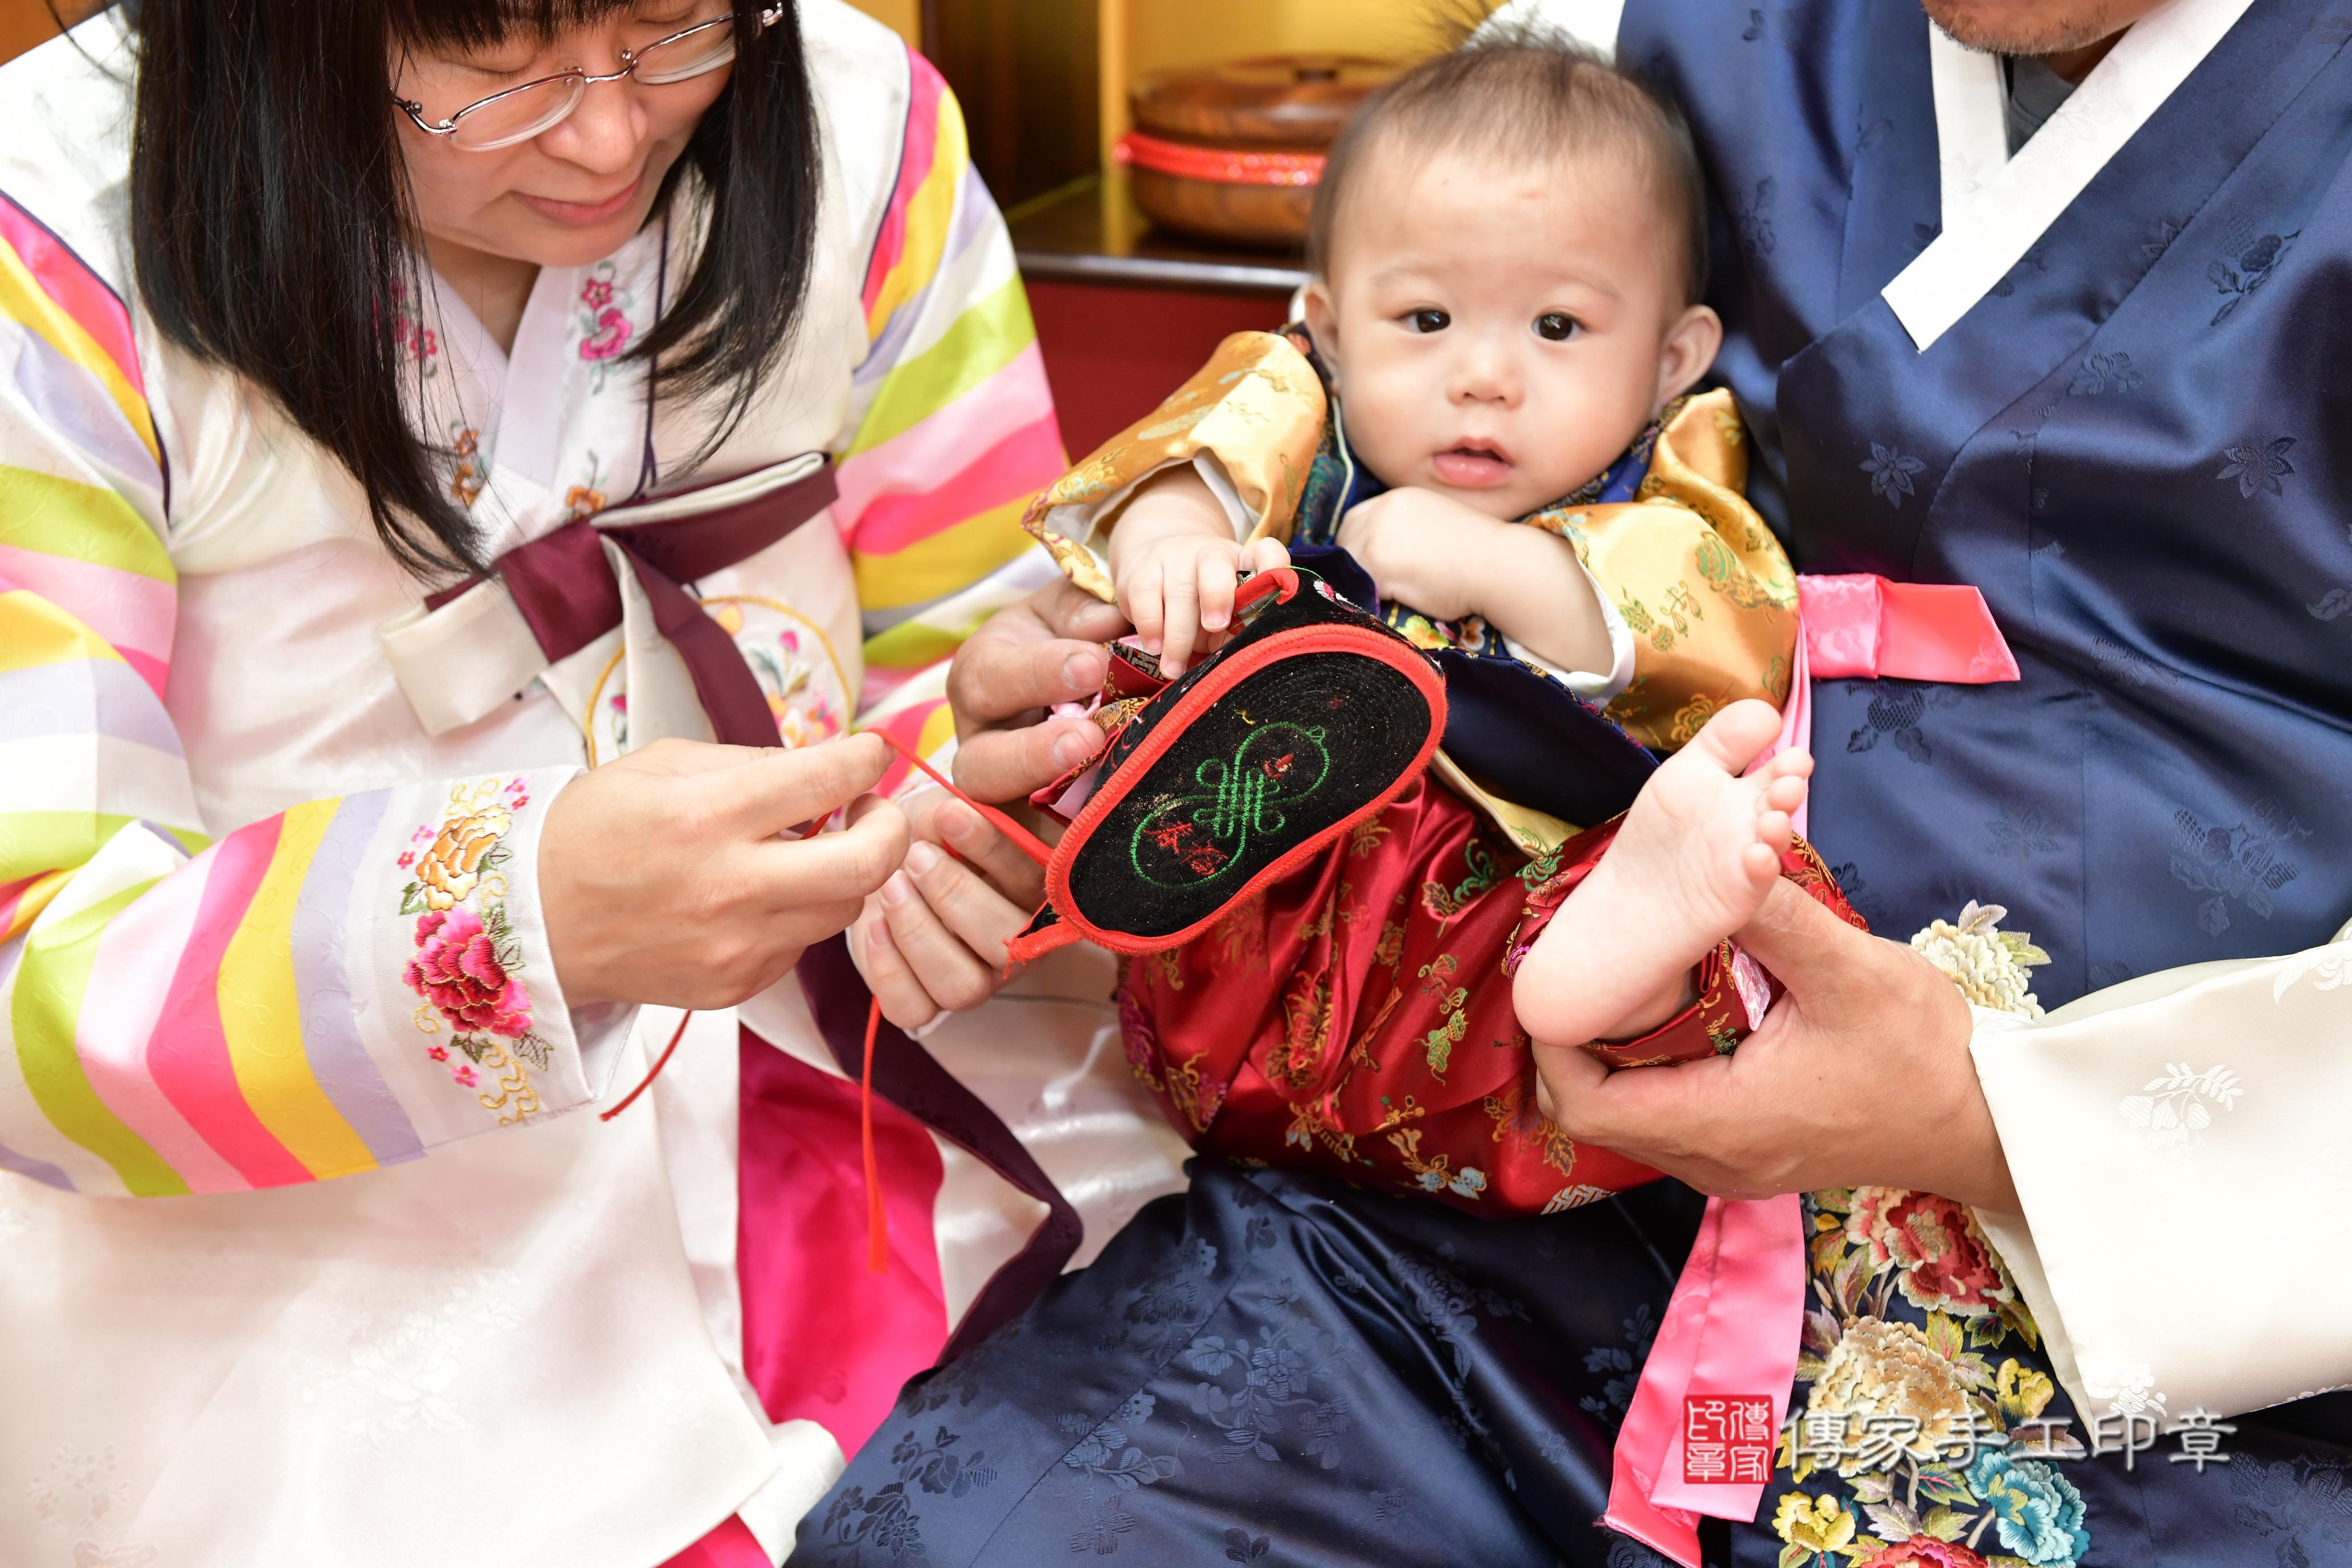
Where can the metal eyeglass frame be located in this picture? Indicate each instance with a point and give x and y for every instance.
(629, 61)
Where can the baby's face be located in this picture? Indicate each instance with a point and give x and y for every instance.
(1501, 335)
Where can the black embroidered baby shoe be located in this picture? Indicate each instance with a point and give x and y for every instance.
(1313, 718)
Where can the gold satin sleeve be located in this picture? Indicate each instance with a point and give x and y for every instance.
(1257, 406)
(1702, 586)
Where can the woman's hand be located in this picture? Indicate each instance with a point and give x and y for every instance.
(663, 878)
(933, 939)
(1861, 1074)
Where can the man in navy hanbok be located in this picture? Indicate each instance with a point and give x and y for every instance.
(2046, 299)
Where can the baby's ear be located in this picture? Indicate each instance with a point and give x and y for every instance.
(1323, 320)
(1690, 346)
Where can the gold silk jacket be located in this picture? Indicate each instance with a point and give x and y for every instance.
(1705, 597)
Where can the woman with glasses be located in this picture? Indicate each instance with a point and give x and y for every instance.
(446, 446)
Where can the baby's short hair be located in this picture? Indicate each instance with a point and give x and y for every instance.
(1526, 90)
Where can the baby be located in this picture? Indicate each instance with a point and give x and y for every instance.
(1506, 257)
(1503, 303)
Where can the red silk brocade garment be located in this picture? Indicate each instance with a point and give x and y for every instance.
(1355, 1017)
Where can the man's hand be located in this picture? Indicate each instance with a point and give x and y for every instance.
(1861, 1074)
(1046, 649)
(932, 938)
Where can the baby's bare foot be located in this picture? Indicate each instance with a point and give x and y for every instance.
(1691, 865)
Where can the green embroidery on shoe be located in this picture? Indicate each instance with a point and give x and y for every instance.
(1208, 834)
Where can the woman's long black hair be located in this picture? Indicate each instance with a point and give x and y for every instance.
(271, 222)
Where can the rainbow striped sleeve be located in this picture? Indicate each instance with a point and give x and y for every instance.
(951, 424)
(338, 987)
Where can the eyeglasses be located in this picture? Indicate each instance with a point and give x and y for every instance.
(520, 113)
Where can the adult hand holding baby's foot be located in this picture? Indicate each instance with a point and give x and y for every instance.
(1690, 865)
(1860, 1072)
(1860, 1075)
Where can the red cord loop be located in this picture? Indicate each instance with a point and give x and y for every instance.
(1028, 843)
(652, 1073)
(877, 1219)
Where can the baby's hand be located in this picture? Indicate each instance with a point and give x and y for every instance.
(1178, 591)
(1422, 549)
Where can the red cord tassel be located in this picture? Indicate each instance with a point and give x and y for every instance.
(878, 1223)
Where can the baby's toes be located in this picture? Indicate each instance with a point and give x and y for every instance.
(1732, 739)
(1785, 794)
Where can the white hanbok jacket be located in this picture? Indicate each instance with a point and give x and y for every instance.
(307, 1253)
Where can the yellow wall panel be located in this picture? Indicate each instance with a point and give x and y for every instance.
(1165, 32)
(904, 15)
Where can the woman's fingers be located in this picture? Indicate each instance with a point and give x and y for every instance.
(783, 790)
(787, 874)
(951, 976)
(904, 1001)
(940, 819)
(984, 919)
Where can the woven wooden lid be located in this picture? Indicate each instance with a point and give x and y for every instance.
(1292, 101)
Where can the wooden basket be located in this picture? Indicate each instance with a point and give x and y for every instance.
(1231, 153)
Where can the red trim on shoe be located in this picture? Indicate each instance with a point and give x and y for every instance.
(1214, 684)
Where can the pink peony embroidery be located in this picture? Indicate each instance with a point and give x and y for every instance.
(596, 293)
(611, 335)
(457, 970)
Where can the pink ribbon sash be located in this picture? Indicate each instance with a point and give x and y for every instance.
(1729, 1337)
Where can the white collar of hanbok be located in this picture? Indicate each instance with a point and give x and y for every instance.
(1996, 207)
(558, 427)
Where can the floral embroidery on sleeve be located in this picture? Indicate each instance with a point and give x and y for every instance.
(467, 959)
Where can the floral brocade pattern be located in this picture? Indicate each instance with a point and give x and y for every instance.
(475, 1010)
(1926, 1431)
(1355, 1017)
